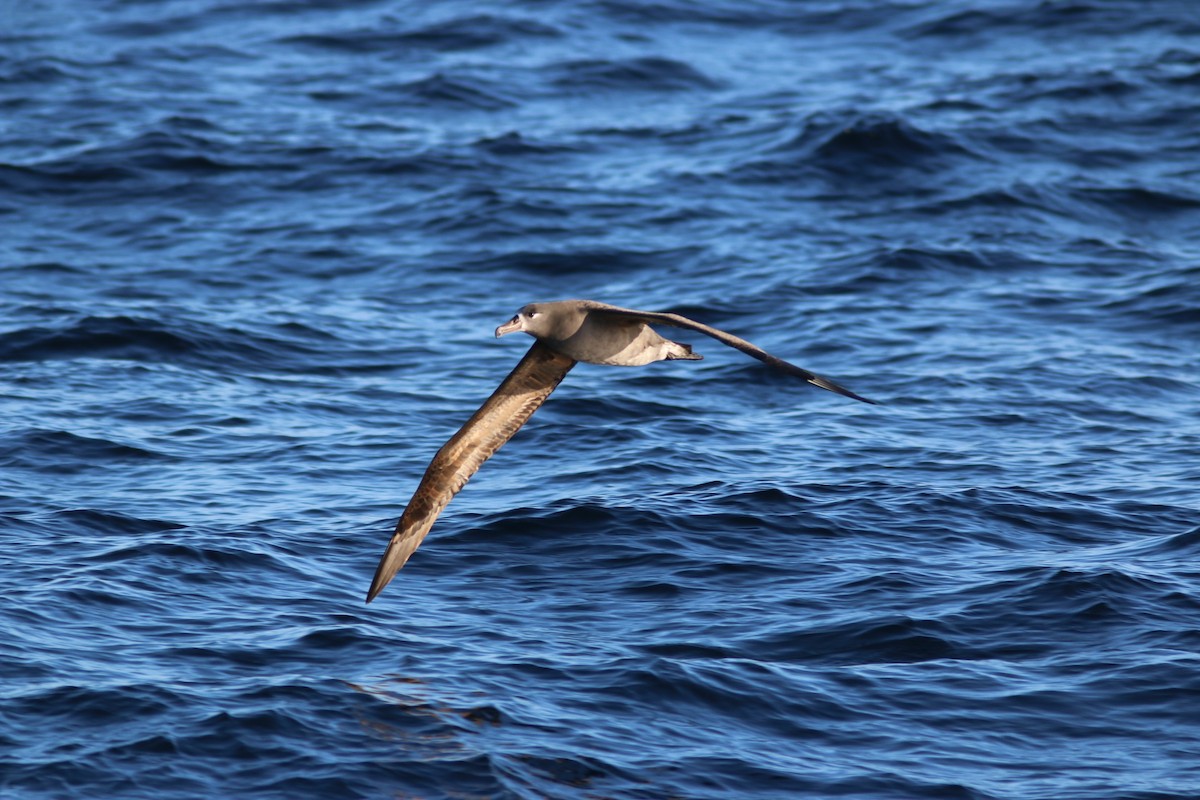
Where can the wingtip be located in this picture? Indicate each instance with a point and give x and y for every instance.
(373, 592)
(384, 573)
(383, 576)
(862, 399)
(831, 386)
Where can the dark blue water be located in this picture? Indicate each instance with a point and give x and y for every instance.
(251, 255)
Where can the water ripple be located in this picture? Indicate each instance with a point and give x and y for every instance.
(253, 258)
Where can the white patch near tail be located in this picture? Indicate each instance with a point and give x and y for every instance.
(678, 351)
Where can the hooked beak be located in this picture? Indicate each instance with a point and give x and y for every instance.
(513, 324)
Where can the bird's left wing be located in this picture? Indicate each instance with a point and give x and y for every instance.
(501, 416)
(680, 321)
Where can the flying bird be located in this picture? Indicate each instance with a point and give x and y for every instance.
(566, 332)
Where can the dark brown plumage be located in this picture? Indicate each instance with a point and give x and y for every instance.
(501, 415)
(567, 331)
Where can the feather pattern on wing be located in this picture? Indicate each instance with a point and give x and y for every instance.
(501, 416)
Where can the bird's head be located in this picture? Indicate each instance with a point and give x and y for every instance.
(531, 319)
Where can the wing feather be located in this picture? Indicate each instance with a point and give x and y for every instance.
(680, 321)
(501, 416)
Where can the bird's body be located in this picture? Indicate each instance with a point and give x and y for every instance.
(567, 331)
(589, 331)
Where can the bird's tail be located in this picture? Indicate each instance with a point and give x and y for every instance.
(678, 351)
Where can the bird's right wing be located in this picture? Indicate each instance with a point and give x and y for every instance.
(501, 416)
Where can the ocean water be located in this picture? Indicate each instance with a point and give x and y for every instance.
(251, 258)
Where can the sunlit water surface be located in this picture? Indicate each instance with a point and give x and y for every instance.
(252, 256)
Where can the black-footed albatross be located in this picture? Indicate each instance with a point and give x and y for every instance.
(566, 331)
